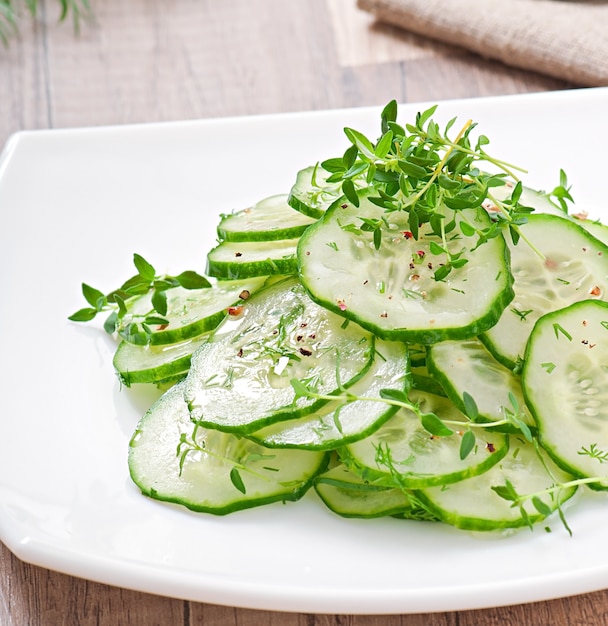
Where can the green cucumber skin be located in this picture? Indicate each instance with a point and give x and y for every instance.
(318, 430)
(361, 457)
(297, 205)
(572, 231)
(467, 514)
(424, 336)
(270, 324)
(546, 324)
(271, 219)
(154, 466)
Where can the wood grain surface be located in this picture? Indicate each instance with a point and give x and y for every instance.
(153, 60)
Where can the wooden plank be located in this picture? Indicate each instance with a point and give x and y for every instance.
(24, 102)
(147, 61)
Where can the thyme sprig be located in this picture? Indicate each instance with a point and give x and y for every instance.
(431, 422)
(420, 170)
(190, 443)
(137, 328)
(11, 12)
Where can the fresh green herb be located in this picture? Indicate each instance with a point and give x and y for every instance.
(146, 281)
(594, 452)
(521, 314)
(421, 170)
(558, 328)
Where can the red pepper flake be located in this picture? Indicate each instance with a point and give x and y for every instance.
(235, 311)
(305, 351)
(244, 294)
(162, 326)
(583, 215)
(421, 254)
(595, 291)
(490, 447)
(414, 276)
(342, 305)
(408, 234)
(237, 254)
(550, 264)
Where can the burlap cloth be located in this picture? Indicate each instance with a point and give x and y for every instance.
(564, 39)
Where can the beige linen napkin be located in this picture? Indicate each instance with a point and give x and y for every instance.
(567, 39)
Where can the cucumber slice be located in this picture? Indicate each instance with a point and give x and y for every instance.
(311, 194)
(423, 381)
(402, 453)
(190, 312)
(472, 504)
(391, 291)
(565, 381)
(240, 380)
(573, 267)
(466, 366)
(336, 423)
(208, 470)
(154, 364)
(268, 220)
(347, 495)
(233, 260)
(541, 201)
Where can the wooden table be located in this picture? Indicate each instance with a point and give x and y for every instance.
(148, 61)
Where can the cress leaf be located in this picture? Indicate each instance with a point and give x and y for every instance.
(466, 444)
(543, 508)
(191, 280)
(159, 302)
(145, 269)
(93, 296)
(433, 424)
(470, 406)
(237, 481)
(83, 315)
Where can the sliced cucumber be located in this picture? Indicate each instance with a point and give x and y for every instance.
(154, 364)
(190, 312)
(392, 290)
(311, 194)
(541, 202)
(268, 220)
(467, 367)
(573, 267)
(232, 260)
(240, 379)
(402, 453)
(565, 381)
(211, 471)
(336, 423)
(347, 495)
(473, 504)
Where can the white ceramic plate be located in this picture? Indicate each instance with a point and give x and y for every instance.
(75, 205)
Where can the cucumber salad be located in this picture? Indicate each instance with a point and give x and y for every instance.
(408, 331)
